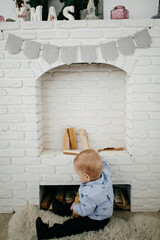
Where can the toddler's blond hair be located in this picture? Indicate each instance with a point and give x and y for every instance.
(89, 162)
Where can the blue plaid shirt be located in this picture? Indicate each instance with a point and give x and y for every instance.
(96, 197)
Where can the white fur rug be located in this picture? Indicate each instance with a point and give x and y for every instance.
(138, 227)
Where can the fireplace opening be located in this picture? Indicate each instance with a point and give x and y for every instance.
(67, 193)
(89, 96)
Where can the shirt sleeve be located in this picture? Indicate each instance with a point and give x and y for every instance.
(106, 167)
(85, 207)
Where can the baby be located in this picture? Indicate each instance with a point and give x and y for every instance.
(95, 205)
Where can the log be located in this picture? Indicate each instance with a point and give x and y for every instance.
(84, 139)
(66, 141)
(46, 202)
(72, 137)
(111, 149)
(71, 152)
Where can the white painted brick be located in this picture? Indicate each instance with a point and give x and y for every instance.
(146, 142)
(25, 91)
(83, 99)
(112, 33)
(11, 169)
(70, 92)
(103, 24)
(96, 106)
(5, 193)
(3, 92)
(143, 62)
(154, 88)
(140, 116)
(24, 34)
(149, 124)
(141, 79)
(154, 32)
(154, 134)
(10, 83)
(139, 134)
(31, 82)
(11, 185)
(41, 169)
(25, 194)
(137, 23)
(25, 126)
(156, 79)
(9, 64)
(155, 97)
(1, 35)
(3, 110)
(156, 61)
(12, 153)
(56, 178)
(21, 110)
(11, 118)
(134, 169)
(146, 160)
(56, 161)
(10, 100)
(36, 25)
(33, 118)
(5, 177)
(52, 34)
(10, 25)
(25, 144)
(86, 34)
(152, 70)
(2, 56)
(4, 144)
(140, 151)
(13, 202)
(112, 98)
(25, 161)
(155, 168)
(141, 97)
(4, 161)
(19, 73)
(1, 74)
(18, 56)
(31, 100)
(56, 99)
(26, 177)
(33, 135)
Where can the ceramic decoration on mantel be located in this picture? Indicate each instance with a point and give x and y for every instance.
(119, 12)
(91, 11)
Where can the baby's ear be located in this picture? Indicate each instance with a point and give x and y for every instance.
(87, 177)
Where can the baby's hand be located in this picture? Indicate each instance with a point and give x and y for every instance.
(71, 208)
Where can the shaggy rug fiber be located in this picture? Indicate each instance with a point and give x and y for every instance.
(137, 227)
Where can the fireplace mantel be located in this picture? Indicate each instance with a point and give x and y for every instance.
(25, 163)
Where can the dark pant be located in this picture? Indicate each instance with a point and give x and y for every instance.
(75, 225)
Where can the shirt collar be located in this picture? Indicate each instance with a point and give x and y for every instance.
(98, 181)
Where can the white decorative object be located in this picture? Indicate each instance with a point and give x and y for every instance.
(66, 13)
(21, 14)
(52, 14)
(91, 11)
(36, 14)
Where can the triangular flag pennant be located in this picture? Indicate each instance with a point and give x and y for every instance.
(126, 45)
(13, 44)
(50, 53)
(88, 54)
(69, 55)
(142, 39)
(109, 50)
(32, 49)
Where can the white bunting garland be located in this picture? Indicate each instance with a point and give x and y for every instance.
(109, 50)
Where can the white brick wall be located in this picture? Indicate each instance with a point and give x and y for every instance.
(118, 104)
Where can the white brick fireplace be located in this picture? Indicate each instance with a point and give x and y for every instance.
(117, 102)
